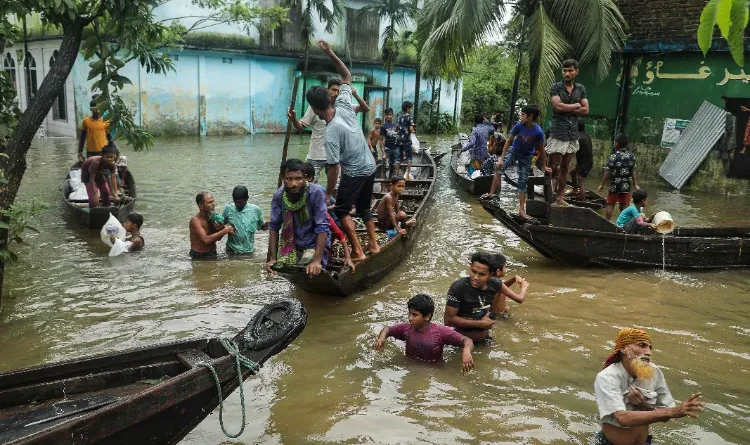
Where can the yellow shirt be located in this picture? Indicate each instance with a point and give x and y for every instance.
(96, 133)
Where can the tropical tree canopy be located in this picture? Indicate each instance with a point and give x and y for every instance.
(731, 16)
(589, 30)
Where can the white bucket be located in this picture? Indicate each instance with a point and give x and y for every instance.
(664, 223)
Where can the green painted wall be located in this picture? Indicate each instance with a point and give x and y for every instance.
(664, 86)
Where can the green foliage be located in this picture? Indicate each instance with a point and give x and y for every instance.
(731, 16)
(488, 81)
(16, 220)
(398, 13)
(431, 122)
(590, 30)
(215, 40)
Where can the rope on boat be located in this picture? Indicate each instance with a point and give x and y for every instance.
(240, 360)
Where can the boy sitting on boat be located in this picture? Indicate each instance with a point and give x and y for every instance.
(425, 340)
(474, 302)
(390, 216)
(526, 138)
(631, 219)
(299, 230)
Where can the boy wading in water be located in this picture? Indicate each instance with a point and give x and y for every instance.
(424, 339)
(525, 139)
(390, 215)
(568, 104)
(620, 173)
(346, 148)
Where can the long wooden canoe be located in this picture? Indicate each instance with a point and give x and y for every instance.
(151, 395)
(581, 237)
(593, 199)
(96, 217)
(340, 280)
(478, 186)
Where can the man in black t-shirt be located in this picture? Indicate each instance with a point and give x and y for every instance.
(471, 300)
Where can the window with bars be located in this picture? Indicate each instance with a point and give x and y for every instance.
(29, 64)
(59, 108)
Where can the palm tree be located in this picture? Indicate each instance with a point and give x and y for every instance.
(398, 13)
(590, 30)
(329, 16)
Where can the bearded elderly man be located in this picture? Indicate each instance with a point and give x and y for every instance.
(631, 393)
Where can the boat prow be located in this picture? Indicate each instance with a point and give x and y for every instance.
(150, 395)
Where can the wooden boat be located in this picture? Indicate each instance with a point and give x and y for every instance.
(150, 395)
(96, 217)
(478, 186)
(340, 280)
(581, 237)
(593, 199)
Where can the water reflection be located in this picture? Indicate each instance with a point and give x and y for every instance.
(534, 384)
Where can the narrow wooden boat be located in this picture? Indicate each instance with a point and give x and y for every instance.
(150, 395)
(581, 237)
(340, 280)
(96, 217)
(593, 199)
(478, 186)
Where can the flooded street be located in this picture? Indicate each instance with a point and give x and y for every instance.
(532, 385)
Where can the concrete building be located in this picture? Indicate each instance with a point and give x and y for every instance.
(660, 80)
(227, 80)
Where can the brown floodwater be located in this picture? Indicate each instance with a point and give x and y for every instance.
(532, 385)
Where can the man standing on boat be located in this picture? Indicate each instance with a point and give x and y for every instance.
(346, 149)
(205, 230)
(316, 154)
(568, 103)
(631, 393)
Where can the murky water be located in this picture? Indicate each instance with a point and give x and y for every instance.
(533, 385)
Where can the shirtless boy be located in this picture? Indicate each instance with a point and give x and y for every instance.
(390, 215)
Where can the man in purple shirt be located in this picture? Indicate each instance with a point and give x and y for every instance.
(299, 231)
(477, 144)
(425, 340)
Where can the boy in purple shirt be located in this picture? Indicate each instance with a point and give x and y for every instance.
(425, 340)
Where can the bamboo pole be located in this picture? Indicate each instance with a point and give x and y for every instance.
(297, 75)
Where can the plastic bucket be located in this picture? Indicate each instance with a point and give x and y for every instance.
(664, 223)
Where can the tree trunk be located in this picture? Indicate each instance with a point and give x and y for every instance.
(20, 140)
(304, 72)
(388, 91)
(416, 89)
(437, 115)
(516, 80)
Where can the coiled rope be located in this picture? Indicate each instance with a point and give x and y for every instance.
(240, 361)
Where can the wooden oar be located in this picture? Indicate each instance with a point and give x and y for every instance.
(297, 75)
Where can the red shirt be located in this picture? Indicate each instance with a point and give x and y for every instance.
(426, 346)
(335, 231)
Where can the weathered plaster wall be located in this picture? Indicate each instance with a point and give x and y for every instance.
(230, 93)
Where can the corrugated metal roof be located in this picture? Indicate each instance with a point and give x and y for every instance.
(705, 129)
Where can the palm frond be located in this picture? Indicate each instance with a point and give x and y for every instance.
(547, 47)
(595, 28)
(453, 28)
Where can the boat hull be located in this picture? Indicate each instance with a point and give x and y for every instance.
(96, 218)
(478, 186)
(154, 395)
(374, 268)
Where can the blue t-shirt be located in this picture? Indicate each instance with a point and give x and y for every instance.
(526, 139)
(389, 131)
(627, 214)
